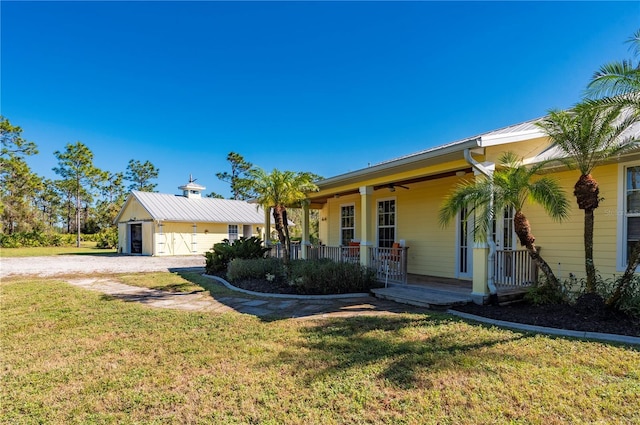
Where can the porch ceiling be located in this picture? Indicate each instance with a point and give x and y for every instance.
(318, 200)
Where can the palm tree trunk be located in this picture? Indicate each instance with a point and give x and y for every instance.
(588, 251)
(287, 237)
(587, 193)
(523, 230)
(280, 228)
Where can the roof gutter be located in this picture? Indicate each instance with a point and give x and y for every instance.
(486, 170)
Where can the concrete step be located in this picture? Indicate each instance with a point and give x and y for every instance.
(422, 297)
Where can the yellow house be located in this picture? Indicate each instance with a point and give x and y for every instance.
(388, 212)
(163, 224)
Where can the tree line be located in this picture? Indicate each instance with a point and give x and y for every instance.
(83, 200)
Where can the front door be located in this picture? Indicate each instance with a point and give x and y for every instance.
(136, 238)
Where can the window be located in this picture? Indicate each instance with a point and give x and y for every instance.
(347, 224)
(386, 223)
(233, 232)
(631, 210)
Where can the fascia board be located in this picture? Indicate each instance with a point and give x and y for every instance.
(501, 139)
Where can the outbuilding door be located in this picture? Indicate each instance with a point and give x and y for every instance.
(136, 238)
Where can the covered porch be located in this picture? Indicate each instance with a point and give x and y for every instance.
(512, 271)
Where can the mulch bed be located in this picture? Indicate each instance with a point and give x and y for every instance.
(589, 314)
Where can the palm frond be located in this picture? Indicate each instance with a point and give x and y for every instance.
(549, 194)
(614, 79)
(589, 135)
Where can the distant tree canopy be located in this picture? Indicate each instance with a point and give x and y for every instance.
(140, 175)
(75, 166)
(237, 179)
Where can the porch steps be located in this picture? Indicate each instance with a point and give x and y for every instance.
(422, 297)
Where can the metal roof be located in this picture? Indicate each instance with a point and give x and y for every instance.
(166, 207)
(516, 132)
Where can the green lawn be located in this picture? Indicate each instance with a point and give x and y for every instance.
(85, 248)
(75, 356)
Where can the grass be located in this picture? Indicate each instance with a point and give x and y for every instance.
(71, 356)
(177, 282)
(85, 248)
(170, 282)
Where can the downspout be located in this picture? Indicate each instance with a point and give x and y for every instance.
(492, 245)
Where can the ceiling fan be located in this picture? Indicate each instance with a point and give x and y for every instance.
(392, 187)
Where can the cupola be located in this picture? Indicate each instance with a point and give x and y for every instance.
(192, 190)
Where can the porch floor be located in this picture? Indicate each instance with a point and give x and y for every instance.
(427, 291)
(439, 292)
(457, 286)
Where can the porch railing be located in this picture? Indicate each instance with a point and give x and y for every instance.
(277, 251)
(514, 269)
(389, 264)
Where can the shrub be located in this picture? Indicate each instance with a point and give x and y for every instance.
(260, 268)
(35, 238)
(107, 238)
(630, 299)
(544, 294)
(218, 259)
(328, 277)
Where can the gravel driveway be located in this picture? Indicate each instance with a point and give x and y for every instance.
(86, 264)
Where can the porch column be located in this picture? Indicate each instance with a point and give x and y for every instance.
(267, 227)
(367, 236)
(480, 272)
(304, 246)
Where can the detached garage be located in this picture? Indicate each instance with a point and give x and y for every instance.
(163, 224)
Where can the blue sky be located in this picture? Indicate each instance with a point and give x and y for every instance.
(326, 87)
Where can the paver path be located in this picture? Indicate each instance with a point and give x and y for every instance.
(267, 307)
(80, 270)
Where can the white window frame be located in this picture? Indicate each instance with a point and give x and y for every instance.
(395, 220)
(354, 222)
(231, 233)
(621, 216)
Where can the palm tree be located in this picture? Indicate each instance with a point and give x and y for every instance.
(615, 80)
(589, 136)
(279, 190)
(510, 187)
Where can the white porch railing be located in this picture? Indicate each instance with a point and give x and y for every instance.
(514, 269)
(277, 251)
(389, 264)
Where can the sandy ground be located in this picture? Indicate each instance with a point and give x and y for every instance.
(60, 265)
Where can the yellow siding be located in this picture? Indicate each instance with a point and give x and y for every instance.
(134, 211)
(563, 243)
(123, 238)
(431, 248)
(178, 238)
(147, 238)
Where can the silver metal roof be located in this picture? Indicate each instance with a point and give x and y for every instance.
(501, 135)
(166, 207)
